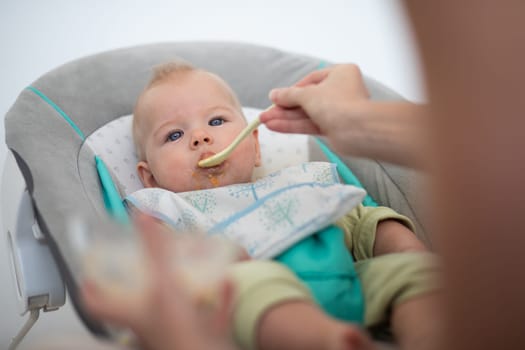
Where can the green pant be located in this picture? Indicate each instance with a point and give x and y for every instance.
(386, 281)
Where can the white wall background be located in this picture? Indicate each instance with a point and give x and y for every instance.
(36, 36)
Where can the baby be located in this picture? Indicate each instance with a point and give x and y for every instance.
(185, 115)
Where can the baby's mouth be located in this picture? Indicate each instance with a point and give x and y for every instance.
(210, 170)
(205, 155)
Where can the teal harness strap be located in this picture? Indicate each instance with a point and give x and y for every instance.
(323, 262)
(345, 173)
(112, 201)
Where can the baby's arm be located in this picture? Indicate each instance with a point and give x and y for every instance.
(394, 237)
(373, 231)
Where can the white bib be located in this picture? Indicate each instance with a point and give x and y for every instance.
(267, 216)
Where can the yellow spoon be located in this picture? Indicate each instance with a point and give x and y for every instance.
(222, 155)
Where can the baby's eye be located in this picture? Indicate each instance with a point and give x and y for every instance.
(216, 121)
(174, 135)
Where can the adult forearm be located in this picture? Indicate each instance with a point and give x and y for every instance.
(388, 131)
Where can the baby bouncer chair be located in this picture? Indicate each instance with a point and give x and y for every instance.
(70, 154)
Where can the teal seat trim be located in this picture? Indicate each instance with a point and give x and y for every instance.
(58, 109)
(345, 173)
(112, 200)
(322, 64)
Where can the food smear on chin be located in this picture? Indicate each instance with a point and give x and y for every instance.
(199, 185)
(213, 180)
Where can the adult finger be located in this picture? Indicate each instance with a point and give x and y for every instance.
(290, 97)
(222, 318)
(289, 120)
(277, 112)
(297, 126)
(156, 240)
(314, 78)
(102, 306)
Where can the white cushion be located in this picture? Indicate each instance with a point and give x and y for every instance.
(113, 142)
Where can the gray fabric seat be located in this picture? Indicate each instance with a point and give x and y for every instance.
(59, 168)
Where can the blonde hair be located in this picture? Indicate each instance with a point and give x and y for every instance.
(165, 70)
(161, 73)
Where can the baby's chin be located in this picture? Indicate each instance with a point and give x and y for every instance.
(204, 181)
(208, 178)
(221, 180)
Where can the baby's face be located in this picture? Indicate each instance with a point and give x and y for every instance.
(185, 120)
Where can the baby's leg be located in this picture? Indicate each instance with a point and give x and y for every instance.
(404, 288)
(417, 323)
(302, 325)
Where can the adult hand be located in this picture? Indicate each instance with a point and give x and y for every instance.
(317, 103)
(335, 103)
(165, 317)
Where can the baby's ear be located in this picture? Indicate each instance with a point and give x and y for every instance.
(257, 148)
(145, 174)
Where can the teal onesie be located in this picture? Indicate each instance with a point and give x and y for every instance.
(323, 262)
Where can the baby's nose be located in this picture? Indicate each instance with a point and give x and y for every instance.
(200, 138)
